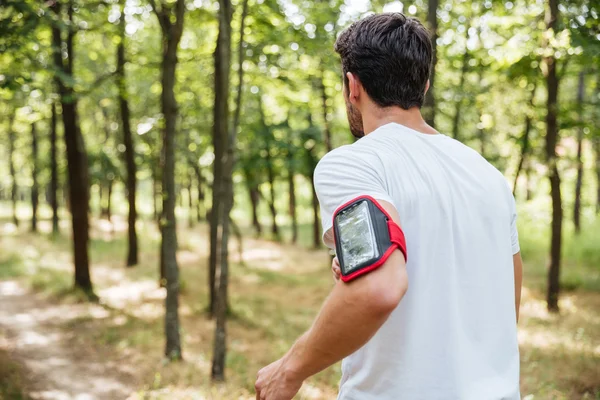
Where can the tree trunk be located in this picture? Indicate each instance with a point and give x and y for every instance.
(171, 22)
(316, 218)
(169, 233)
(219, 113)
(596, 144)
(131, 179)
(324, 109)
(528, 186)
(578, 184)
(254, 199)
(292, 206)
(199, 183)
(597, 151)
(525, 142)
(552, 160)
(34, 178)
(53, 171)
(432, 22)
(240, 88)
(11, 165)
(481, 131)
(254, 195)
(271, 177)
(191, 219)
(156, 195)
(109, 200)
(76, 154)
(461, 87)
(101, 200)
(180, 197)
(224, 188)
(270, 172)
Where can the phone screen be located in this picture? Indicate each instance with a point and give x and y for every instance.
(356, 235)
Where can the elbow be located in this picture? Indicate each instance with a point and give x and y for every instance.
(386, 294)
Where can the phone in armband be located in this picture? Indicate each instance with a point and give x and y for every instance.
(365, 236)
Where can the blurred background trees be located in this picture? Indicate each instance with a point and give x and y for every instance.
(118, 107)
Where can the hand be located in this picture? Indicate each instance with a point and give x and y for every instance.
(274, 383)
(335, 268)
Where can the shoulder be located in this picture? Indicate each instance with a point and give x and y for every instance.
(348, 157)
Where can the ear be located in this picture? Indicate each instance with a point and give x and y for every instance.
(354, 87)
(427, 86)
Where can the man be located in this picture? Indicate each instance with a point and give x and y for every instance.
(451, 333)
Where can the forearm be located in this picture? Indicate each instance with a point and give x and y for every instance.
(346, 322)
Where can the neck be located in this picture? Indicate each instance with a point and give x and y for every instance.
(376, 117)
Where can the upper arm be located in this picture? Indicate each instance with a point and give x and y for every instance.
(386, 285)
(343, 175)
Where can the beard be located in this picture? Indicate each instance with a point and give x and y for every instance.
(355, 120)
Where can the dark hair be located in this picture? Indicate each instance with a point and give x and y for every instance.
(391, 56)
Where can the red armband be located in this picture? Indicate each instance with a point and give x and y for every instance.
(365, 236)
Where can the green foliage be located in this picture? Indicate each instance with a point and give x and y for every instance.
(11, 266)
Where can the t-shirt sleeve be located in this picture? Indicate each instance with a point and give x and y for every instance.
(343, 175)
(514, 234)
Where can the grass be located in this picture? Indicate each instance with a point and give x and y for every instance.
(11, 265)
(12, 379)
(275, 294)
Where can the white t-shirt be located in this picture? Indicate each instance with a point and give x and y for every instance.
(453, 336)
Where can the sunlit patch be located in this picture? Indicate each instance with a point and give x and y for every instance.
(131, 292)
(119, 320)
(98, 312)
(11, 288)
(33, 338)
(187, 257)
(9, 229)
(149, 311)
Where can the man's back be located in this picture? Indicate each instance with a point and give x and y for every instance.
(453, 336)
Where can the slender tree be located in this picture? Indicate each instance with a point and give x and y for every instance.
(221, 80)
(310, 137)
(480, 129)
(11, 166)
(226, 136)
(254, 194)
(131, 180)
(579, 161)
(199, 185)
(552, 82)
(170, 17)
(292, 195)
(34, 178)
(268, 134)
(191, 219)
(459, 103)
(54, 170)
(432, 22)
(77, 163)
(596, 143)
(316, 218)
(525, 140)
(325, 111)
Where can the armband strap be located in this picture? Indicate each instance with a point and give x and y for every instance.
(397, 237)
(365, 236)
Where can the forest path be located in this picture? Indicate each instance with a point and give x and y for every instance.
(35, 333)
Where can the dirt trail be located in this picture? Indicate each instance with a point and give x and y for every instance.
(36, 335)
